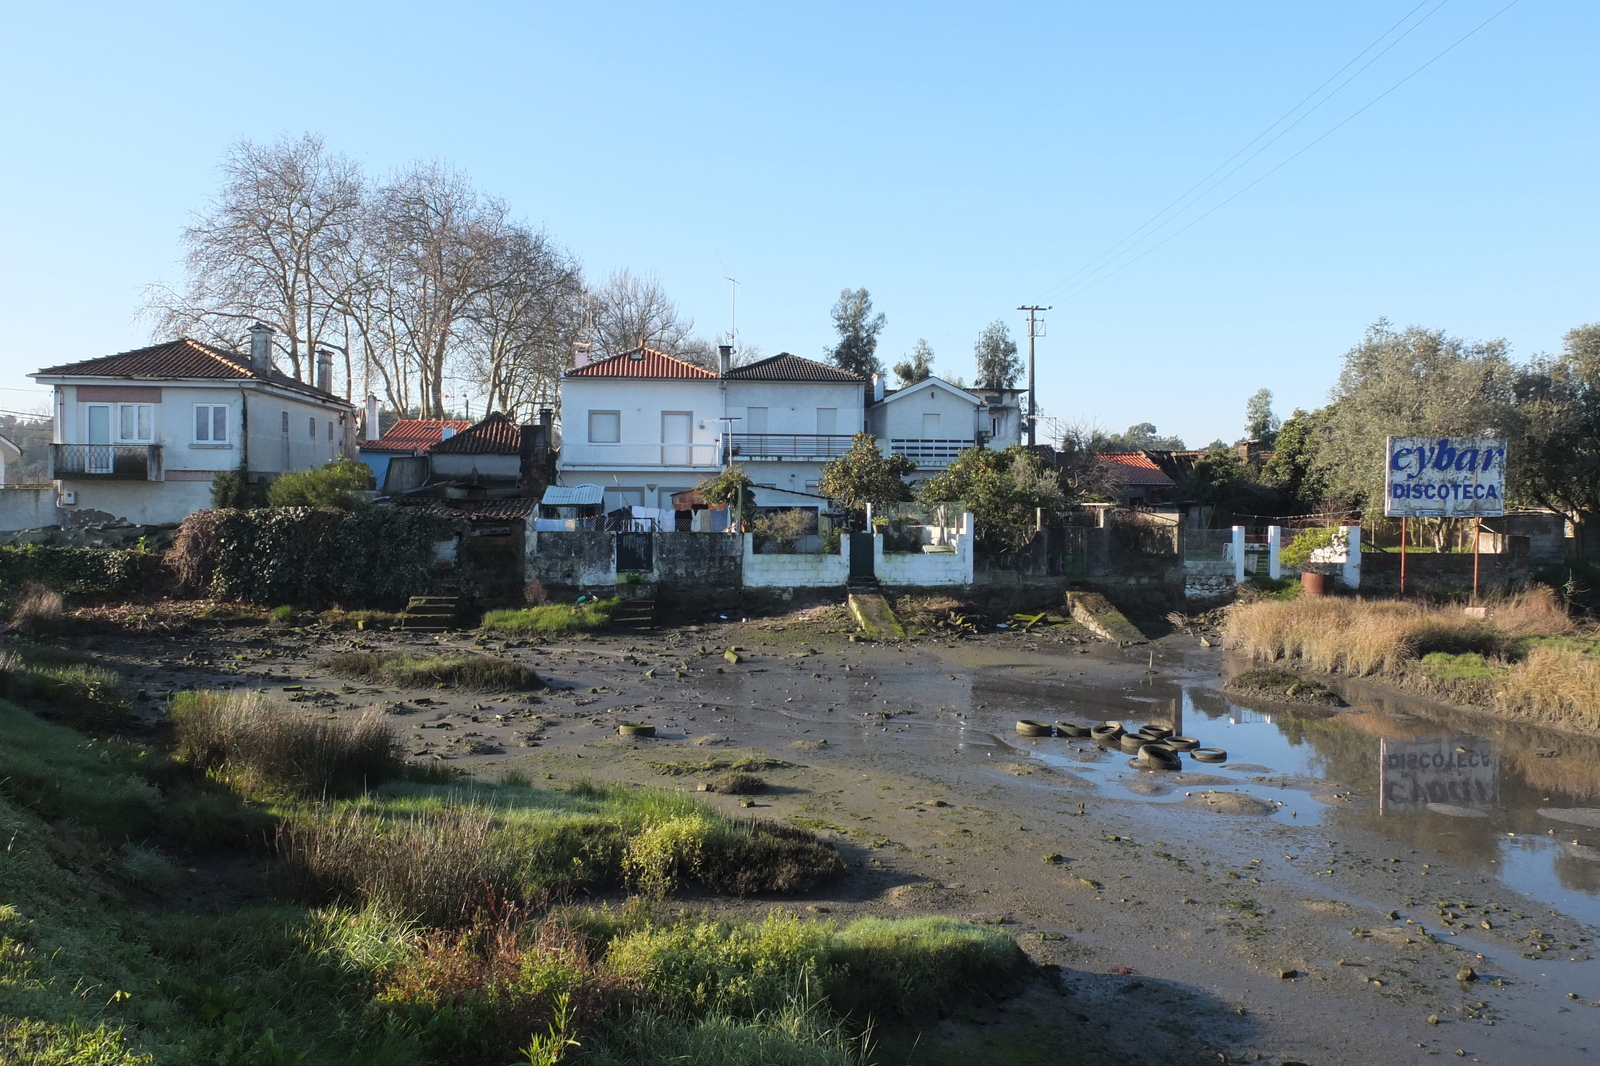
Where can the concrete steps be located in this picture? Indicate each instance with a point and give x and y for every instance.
(431, 614)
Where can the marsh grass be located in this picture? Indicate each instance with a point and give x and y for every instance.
(479, 673)
(67, 686)
(551, 619)
(737, 784)
(339, 618)
(272, 749)
(40, 611)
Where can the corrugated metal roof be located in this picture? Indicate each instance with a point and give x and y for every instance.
(641, 363)
(415, 434)
(182, 358)
(495, 435)
(1136, 468)
(585, 495)
(786, 367)
(510, 510)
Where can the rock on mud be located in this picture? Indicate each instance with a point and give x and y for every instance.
(1229, 803)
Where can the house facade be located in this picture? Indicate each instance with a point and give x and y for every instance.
(141, 435)
(934, 421)
(646, 425)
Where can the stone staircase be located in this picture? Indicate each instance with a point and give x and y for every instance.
(431, 614)
(634, 615)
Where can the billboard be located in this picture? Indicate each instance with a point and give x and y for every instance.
(1454, 773)
(1449, 477)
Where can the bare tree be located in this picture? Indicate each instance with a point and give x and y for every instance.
(285, 214)
(632, 310)
(524, 328)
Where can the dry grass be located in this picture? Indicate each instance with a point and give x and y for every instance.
(277, 750)
(39, 612)
(1554, 685)
(481, 673)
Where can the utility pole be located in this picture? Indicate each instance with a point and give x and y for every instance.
(1035, 329)
(733, 332)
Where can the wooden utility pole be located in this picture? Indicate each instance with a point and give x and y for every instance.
(1035, 329)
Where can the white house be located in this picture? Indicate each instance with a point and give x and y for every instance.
(933, 421)
(141, 435)
(645, 425)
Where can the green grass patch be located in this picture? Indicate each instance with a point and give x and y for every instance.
(480, 673)
(1281, 685)
(1280, 588)
(339, 618)
(1466, 666)
(551, 619)
(65, 685)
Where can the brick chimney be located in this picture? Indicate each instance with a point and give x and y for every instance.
(261, 349)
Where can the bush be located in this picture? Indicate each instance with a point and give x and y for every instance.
(38, 613)
(1296, 555)
(481, 673)
(233, 489)
(551, 620)
(331, 486)
(785, 527)
(281, 751)
(533, 593)
(99, 572)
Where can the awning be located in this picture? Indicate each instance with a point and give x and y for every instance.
(573, 496)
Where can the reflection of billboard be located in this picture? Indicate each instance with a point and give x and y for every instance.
(1445, 476)
(1455, 771)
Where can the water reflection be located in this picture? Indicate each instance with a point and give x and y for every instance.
(1454, 775)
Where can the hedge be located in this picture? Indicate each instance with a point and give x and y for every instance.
(308, 556)
(79, 571)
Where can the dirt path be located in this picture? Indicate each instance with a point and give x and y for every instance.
(1183, 931)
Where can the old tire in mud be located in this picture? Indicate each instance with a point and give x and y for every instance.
(1106, 733)
(630, 729)
(1029, 728)
(1155, 732)
(1209, 755)
(1156, 757)
(1071, 729)
(1132, 742)
(1182, 743)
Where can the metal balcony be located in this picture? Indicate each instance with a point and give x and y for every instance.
(764, 446)
(929, 452)
(112, 462)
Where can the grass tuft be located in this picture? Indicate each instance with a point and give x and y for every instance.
(551, 619)
(480, 673)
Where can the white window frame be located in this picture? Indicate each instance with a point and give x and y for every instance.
(148, 410)
(211, 439)
(615, 414)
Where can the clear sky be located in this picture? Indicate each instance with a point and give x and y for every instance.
(956, 160)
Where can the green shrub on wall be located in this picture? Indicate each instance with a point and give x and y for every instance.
(304, 555)
(78, 571)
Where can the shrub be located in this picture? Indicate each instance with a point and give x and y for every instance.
(785, 527)
(99, 572)
(331, 486)
(280, 750)
(234, 489)
(737, 784)
(551, 620)
(533, 593)
(38, 613)
(482, 673)
(1297, 553)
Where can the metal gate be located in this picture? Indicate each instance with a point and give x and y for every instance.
(860, 555)
(1073, 559)
(635, 553)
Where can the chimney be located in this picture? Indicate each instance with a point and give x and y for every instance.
(324, 370)
(373, 430)
(724, 359)
(446, 432)
(580, 357)
(877, 388)
(261, 349)
(547, 419)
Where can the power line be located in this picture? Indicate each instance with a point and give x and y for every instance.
(1324, 136)
(1090, 266)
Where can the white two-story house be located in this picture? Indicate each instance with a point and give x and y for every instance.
(934, 421)
(140, 436)
(645, 425)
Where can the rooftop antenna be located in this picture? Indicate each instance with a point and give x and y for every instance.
(733, 332)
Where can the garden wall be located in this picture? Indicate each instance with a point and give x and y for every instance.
(798, 570)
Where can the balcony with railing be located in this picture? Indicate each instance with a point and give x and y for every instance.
(115, 462)
(928, 452)
(760, 447)
(586, 455)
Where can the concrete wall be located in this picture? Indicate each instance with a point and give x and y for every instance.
(580, 559)
(900, 414)
(927, 569)
(28, 508)
(697, 560)
(791, 406)
(797, 570)
(140, 502)
(472, 467)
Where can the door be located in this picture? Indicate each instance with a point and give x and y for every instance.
(861, 555)
(635, 553)
(99, 459)
(677, 437)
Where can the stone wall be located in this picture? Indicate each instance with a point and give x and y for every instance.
(582, 559)
(698, 560)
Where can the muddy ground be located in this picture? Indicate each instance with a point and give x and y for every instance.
(1213, 929)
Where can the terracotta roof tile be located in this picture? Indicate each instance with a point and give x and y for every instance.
(182, 358)
(641, 363)
(1136, 468)
(495, 435)
(786, 367)
(415, 435)
(511, 510)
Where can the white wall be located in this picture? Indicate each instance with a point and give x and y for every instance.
(27, 508)
(795, 571)
(926, 568)
(792, 406)
(139, 502)
(641, 403)
(901, 415)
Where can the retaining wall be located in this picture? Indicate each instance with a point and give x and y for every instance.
(28, 507)
(797, 570)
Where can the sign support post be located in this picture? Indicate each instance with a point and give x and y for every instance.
(1402, 555)
(1475, 528)
(1444, 477)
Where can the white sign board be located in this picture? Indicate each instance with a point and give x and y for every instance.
(1447, 477)
(1452, 772)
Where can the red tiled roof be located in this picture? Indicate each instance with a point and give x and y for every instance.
(495, 435)
(641, 363)
(786, 367)
(415, 435)
(182, 358)
(1136, 468)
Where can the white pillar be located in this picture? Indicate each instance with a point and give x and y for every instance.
(964, 547)
(1274, 546)
(1352, 558)
(1238, 555)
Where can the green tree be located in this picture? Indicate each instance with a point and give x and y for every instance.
(864, 475)
(1411, 382)
(1260, 423)
(1143, 438)
(918, 366)
(1293, 468)
(1555, 444)
(858, 333)
(730, 489)
(333, 485)
(1003, 490)
(233, 490)
(999, 366)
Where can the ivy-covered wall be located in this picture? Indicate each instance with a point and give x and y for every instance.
(94, 572)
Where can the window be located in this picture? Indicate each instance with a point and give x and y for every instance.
(330, 429)
(827, 421)
(286, 423)
(605, 427)
(755, 419)
(930, 427)
(313, 422)
(211, 423)
(136, 422)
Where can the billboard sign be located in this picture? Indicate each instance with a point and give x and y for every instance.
(1448, 774)
(1445, 477)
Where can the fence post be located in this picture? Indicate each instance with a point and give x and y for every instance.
(1352, 556)
(1238, 555)
(1274, 546)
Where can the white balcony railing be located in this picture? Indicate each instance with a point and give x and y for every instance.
(639, 456)
(929, 452)
(757, 446)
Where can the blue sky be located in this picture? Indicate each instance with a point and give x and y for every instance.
(957, 160)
